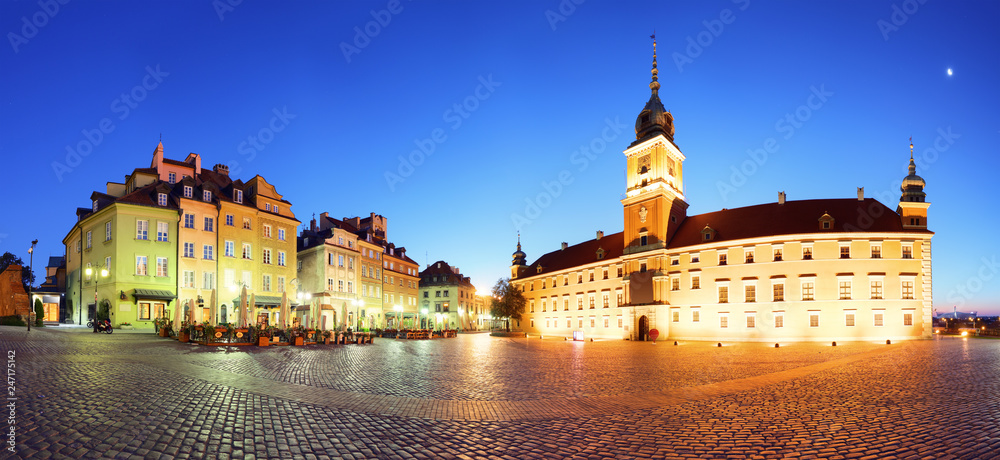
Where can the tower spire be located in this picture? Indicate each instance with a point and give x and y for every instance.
(654, 85)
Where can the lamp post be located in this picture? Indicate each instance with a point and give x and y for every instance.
(31, 281)
(92, 271)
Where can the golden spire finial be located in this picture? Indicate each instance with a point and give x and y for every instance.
(654, 85)
(911, 147)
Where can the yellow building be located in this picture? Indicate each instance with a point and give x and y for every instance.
(818, 270)
(400, 280)
(329, 258)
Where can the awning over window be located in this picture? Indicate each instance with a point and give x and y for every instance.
(153, 294)
(265, 300)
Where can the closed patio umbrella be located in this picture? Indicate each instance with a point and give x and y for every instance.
(251, 307)
(241, 310)
(191, 311)
(178, 310)
(213, 308)
(285, 311)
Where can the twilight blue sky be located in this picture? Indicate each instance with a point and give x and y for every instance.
(505, 95)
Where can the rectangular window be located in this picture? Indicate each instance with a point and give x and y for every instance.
(723, 294)
(777, 255)
(876, 252)
(161, 199)
(566, 304)
(749, 256)
(750, 293)
(606, 300)
(188, 220)
(281, 284)
(329, 284)
(229, 220)
(144, 310)
(807, 291)
(876, 289)
(267, 231)
(579, 302)
(695, 258)
(907, 252)
(161, 266)
(188, 249)
(161, 231)
(238, 196)
(281, 258)
(208, 252)
(172, 178)
(591, 298)
(267, 256)
(188, 191)
(779, 320)
(206, 195)
(229, 278)
(281, 234)
(907, 319)
(141, 229)
(849, 319)
(230, 249)
(695, 315)
(208, 280)
(722, 259)
(723, 320)
(246, 223)
(340, 285)
(778, 293)
(188, 281)
(675, 284)
(696, 282)
(247, 252)
(209, 224)
(267, 207)
(340, 260)
(751, 320)
(845, 290)
(908, 290)
(88, 240)
(807, 253)
(813, 319)
(266, 283)
(107, 263)
(675, 316)
(845, 252)
(878, 318)
(107, 231)
(276, 209)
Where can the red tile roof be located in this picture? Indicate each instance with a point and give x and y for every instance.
(772, 219)
(579, 254)
(790, 218)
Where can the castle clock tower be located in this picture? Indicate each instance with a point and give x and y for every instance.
(654, 203)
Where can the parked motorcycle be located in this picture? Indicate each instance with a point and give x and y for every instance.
(103, 326)
(90, 323)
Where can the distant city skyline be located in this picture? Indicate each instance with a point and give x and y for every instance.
(465, 124)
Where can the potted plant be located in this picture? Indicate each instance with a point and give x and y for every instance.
(184, 334)
(326, 337)
(263, 335)
(126, 326)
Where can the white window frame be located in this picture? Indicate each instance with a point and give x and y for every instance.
(723, 320)
(779, 319)
(851, 312)
(778, 282)
(751, 316)
(878, 315)
(802, 288)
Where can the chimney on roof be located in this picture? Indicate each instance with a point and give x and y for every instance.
(600, 234)
(861, 194)
(781, 197)
(312, 224)
(221, 169)
(455, 269)
(195, 160)
(564, 246)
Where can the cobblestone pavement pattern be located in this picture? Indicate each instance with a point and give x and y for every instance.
(83, 395)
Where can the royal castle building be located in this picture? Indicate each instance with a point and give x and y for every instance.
(810, 270)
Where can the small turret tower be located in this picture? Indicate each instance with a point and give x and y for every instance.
(913, 201)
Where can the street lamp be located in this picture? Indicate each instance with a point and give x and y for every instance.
(31, 282)
(91, 271)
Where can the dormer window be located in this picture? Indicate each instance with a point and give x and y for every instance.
(600, 253)
(238, 197)
(707, 233)
(539, 269)
(161, 199)
(206, 195)
(826, 222)
(188, 191)
(95, 206)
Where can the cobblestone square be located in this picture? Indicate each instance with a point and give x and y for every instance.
(84, 395)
